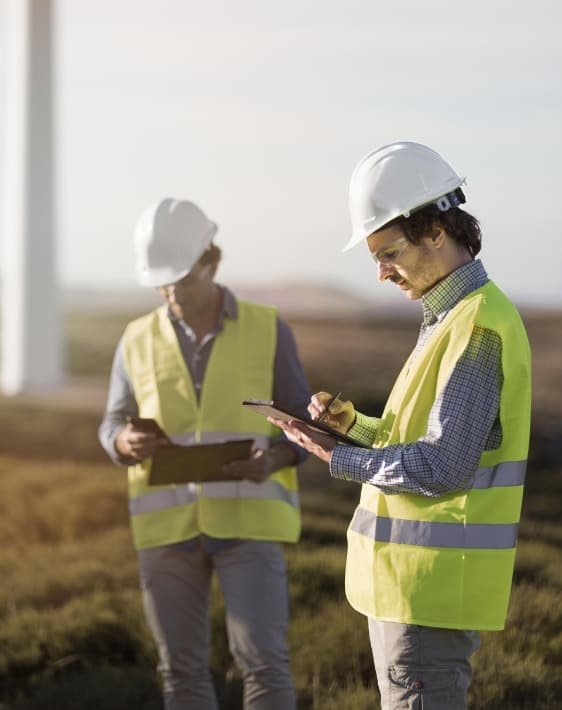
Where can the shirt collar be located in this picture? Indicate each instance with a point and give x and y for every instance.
(229, 308)
(229, 304)
(452, 289)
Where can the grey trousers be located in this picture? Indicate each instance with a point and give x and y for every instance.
(421, 667)
(175, 586)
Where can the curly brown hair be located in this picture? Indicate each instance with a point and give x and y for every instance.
(459, 225)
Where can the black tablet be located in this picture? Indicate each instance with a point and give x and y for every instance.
(269, 408)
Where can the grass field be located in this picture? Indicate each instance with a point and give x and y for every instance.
(72, 634)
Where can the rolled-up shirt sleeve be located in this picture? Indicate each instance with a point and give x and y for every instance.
(463, 422)
(121, 403)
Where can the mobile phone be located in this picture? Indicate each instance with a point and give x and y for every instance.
(145, 424)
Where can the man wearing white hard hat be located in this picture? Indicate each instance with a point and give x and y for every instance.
(180, 373)
(431, 546)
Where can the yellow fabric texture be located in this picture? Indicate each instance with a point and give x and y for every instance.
(463, 588)
(240, 365)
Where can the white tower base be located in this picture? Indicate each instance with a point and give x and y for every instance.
(31, 350)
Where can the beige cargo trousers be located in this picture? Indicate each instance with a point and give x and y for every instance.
(176, 583)
(422, 667)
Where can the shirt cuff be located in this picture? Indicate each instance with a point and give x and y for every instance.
(115, 456)
(346, 462)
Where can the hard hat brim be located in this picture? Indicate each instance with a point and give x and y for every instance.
(360, 234)
(356, 237)
(161, 277)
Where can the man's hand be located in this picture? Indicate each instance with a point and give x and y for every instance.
(138, 443)
(262, 463)
(321, 445)
(340, 416)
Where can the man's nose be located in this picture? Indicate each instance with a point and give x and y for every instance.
(385, 271)
(171, 293)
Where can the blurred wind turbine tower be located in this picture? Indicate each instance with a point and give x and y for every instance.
(31, 342)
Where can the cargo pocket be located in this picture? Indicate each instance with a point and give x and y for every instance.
(425, 689)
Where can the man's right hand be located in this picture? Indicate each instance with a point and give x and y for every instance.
(340, 416)
(136, 442)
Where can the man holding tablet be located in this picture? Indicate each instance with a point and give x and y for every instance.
(186, 367)
(431, 546)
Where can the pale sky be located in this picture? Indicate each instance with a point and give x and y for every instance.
(258, 111)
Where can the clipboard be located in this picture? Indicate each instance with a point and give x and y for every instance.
(197, 463)
(269, 408)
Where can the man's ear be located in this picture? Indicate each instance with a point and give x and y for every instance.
(214, 264)
(438, 235)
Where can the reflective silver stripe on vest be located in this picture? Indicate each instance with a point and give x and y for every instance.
(508, 473)
(416, 532)
(165, 498)
(188, 438)
(189, 493)
(271, 490)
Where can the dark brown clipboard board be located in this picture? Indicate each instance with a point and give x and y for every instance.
(198, 463)
(269, 408)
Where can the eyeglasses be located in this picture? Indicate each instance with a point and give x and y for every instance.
(390, 254)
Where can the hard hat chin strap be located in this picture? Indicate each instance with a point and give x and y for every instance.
(443, 203)
(450, 200)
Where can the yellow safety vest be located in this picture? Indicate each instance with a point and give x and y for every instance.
(240, 365)
(447, 561)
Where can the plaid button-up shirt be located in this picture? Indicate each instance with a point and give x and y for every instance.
(463, 421)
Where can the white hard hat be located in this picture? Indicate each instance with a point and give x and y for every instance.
(170, 236)
(395, 180)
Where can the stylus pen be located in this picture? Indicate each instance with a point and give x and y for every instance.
(332, 400)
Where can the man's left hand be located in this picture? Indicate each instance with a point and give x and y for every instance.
(313, 441)
(257, 468)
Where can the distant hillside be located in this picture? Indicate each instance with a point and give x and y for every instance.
(292, 299)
